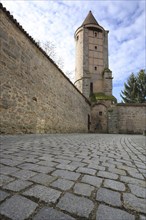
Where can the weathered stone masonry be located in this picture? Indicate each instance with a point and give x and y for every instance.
(36, 97)
(127, 118)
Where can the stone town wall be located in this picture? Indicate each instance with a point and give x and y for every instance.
(127, 118)
(36, 97)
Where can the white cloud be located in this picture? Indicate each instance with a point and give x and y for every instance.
(56, 21)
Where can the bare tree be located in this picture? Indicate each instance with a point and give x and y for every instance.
(50, 49)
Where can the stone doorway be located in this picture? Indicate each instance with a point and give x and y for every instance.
(99, 119)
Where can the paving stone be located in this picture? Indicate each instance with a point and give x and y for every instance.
(95, 166)
(108, 165)
(10, 162)
(108, 196)
(83, 189)
(17, 185)
(134, 203)
(28, 166)
(107, 175)
(47, 213)
(86, 170)
(107, 213)
(24, 174)
(8, 170)
(47, 163)
(76, 205)
(116, 185)
(31, 160)
(92, 180)
(43, 193)
(3, 195)
(143, 171)
(127, 168)
(46, 157)
(138, 191)
(66, 167)
(144, 174)
(77, 164)
(141, 165)
(5, 179)
(117, 171)
(63, 184)
(61, 161)
(66, 174)
(43, 179)
(70, 158)
(128, 179)
(127, 162)
(17, 208)
(136, 175)
(43, 169)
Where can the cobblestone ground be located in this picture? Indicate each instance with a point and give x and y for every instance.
(73, 176)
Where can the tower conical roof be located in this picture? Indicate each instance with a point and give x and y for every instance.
(90, 19)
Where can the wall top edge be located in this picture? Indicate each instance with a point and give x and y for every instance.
(132, 104)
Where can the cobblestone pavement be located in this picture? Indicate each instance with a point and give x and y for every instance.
(73, 176)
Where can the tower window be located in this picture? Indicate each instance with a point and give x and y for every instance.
(100, 113)
(91, 88)
(78, 37)
(95, 34)
(95, 47)
(95, 67)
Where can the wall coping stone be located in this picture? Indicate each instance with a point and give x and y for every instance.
(132, 104)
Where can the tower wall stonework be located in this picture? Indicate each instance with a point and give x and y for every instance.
(91, 59)
(36, 97)
(79, 61)
(107, 84)
(105, 43)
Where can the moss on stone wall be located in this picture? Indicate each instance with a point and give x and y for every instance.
(101, 96)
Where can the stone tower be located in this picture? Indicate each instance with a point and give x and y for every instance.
(92, 74)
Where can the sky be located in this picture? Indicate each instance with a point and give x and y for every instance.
(57, 20)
